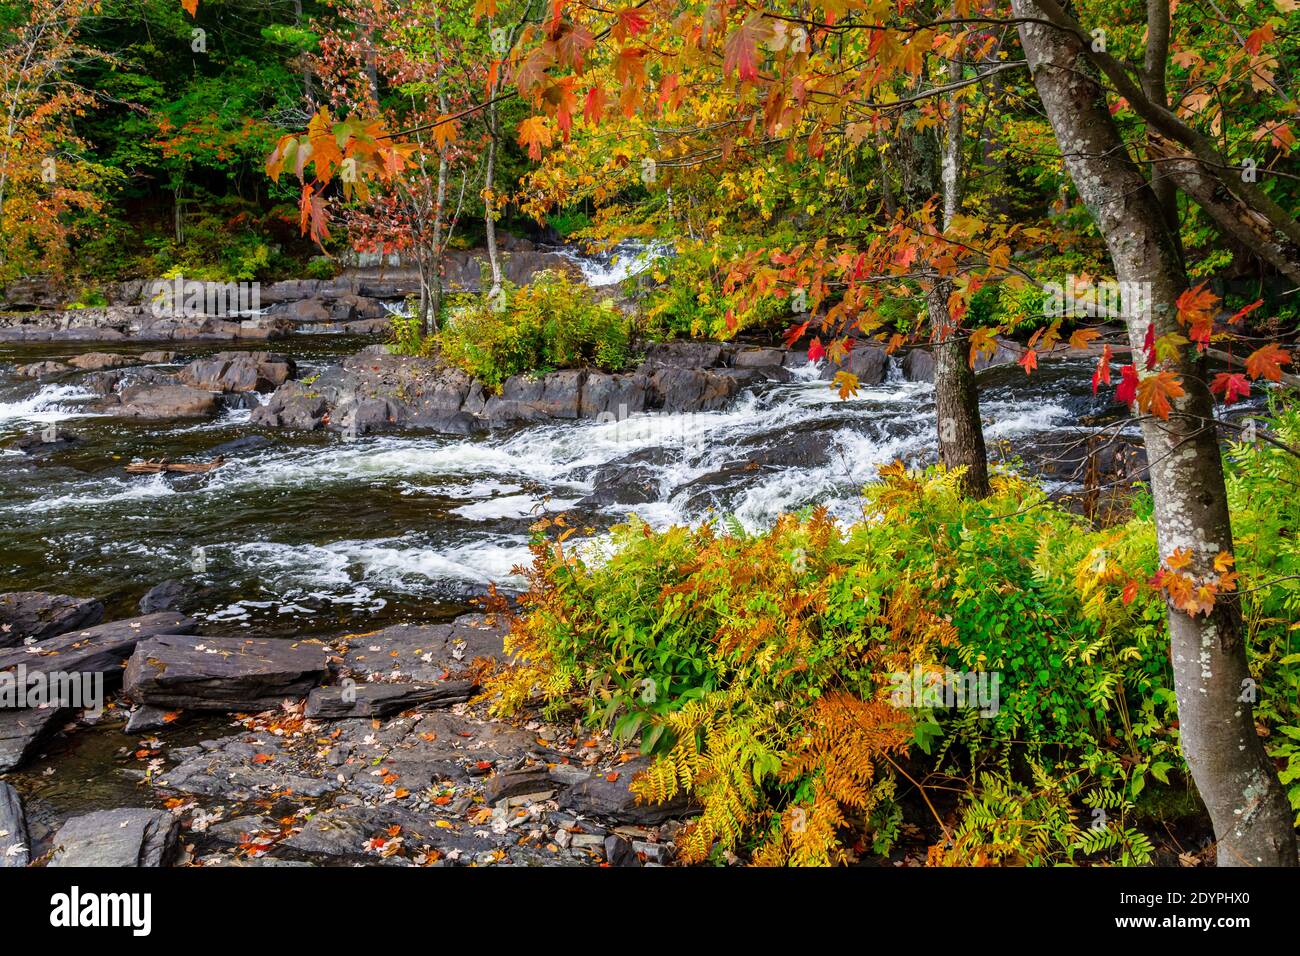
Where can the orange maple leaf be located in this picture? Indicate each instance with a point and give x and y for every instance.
(1155, 391)
(1267, 362)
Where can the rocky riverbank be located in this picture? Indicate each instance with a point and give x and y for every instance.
(358, 748)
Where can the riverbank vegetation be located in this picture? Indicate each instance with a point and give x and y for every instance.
(781, 678)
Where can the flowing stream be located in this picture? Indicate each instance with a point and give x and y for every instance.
(310, 532)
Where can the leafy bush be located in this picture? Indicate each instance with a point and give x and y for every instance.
(550, 324)
(763, 670)
(689, 300)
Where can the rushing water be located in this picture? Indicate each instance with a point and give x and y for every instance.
(311, 532)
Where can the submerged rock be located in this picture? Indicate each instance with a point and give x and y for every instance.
(117, 838)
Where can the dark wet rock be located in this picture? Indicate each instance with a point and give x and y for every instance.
(41, 369)
(869, 363)
(515, 783)
(97, 361)
(161, 401)
(381, 700)
(293, 405)
(613, 799)
(239, 372)
(918, 365)
(618, 852)
(442, 746)
(240, 446)
(612, 397)
(222, 674)
(46, 442)
(146, 719)
(630, 480)
(108, 382)
(38, 615)
(100, 649)
(758, 358)
(461, 423)
(683, 355)
(14, 842)
(690, 390)
(117, 838)
(168, 596)
(23, 731)
(756, 375)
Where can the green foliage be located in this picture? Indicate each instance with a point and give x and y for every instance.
(762, 670)
(689, 300)
(550, 324)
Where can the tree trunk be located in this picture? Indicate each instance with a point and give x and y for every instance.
(956, 395)
(489, 203)
(1251, 818)
(439, 213)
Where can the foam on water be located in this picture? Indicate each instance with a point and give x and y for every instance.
(45, 406)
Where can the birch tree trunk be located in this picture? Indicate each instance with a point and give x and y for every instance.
(1237, 782)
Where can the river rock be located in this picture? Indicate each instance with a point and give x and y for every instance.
(381, 700)
(868, 362)
(45, 442)
(691, 390)
(613, 799)
(41, 369)
(222, 674)
(423, 652)
(100, 649)
(514, 783)
(758, 358)
(146, 719)
(239, 372)
(38, 615)
(14, 845)
(97, 361)
(918, 365)
(683, 355)
(167, 596)
(157, 357)
(22, 731)
(117, 838)
(161, 401)
(613, 397)
(293, 405)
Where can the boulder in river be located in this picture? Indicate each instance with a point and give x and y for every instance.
(228, 674)
(14, 847)
(868, 362)
(161, 401)
(97, 361)
(38, 615)
(41, 369)
(126, 837)
(239, 372)
(294, 405)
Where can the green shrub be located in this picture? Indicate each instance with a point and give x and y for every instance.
(550, 324)
(761, 669)
(689, 300)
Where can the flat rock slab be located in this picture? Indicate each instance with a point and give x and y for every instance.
(613, 800)
(37, 615)
(179, 672)
(127, 837)
(13, 829)
(21, 732)
(245, 767)
(161, 401)
(100, 649)
(425, 652)
(381, 700)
